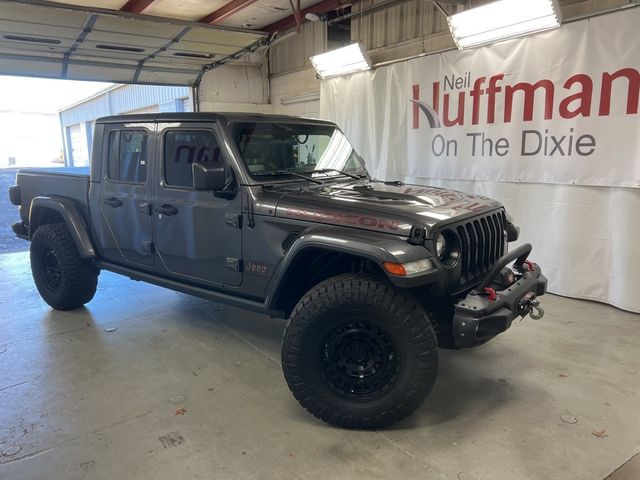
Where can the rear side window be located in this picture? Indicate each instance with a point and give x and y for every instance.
(184, 147)
(127, 156)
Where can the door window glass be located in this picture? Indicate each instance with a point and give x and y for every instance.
(127, 156)
(184, 147)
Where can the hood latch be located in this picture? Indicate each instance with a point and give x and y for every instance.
(417, 235)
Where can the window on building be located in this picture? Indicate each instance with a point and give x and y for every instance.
(127, 156)
(182, 148)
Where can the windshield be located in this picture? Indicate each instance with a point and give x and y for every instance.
(288, 149)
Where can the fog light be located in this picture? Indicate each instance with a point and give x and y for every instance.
(409, 268)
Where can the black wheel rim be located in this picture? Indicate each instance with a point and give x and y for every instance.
(51, 267)
(359, 360)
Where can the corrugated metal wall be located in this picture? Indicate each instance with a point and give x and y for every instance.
(129, 97)
(402, 30)
(419, 21)
(121, 99)
(294, 53)
(405, 21)
(406, 28)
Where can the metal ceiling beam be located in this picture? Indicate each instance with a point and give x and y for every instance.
(224, 12)
(367, 10)
(297, 14)
(136, 6)
(318, 8)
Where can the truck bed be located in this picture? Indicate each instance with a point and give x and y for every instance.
(70, 182)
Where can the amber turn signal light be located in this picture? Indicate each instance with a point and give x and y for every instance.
(394, 268)
(409, 268)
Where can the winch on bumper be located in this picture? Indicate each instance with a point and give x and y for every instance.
(490, 308)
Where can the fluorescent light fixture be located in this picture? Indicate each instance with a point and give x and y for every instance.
(349, 59)
(503, 19)
(309, 97)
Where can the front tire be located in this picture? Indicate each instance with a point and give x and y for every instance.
(358, 353)
(64, 280)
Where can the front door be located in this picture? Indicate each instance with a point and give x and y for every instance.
(196, 233)
(125, 195)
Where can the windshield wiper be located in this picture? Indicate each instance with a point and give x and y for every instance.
(341, 172)
(286, 172)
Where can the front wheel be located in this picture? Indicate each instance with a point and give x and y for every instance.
(358, 353)
(64, 280)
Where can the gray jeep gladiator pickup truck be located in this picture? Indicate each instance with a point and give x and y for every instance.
(278, 215)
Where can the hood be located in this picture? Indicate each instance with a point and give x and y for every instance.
(388, 207)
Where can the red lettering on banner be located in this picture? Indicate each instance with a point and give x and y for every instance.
(476, 93)
(529, 97)
(584, 96)
(459, 120)
(633, 93)
(491, 92)
(436, 96)
(569, 106)
(416, 110)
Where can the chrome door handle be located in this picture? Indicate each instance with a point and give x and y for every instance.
(113, 202)
(167, 210)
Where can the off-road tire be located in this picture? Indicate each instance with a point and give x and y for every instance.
(359, 306)
(76, 279)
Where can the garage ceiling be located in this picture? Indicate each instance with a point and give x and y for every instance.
(254, 14)
(46, 39)
(168, 42)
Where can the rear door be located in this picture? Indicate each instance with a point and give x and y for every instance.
(197, 233)
(125, 194)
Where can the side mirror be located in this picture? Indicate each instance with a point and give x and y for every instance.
(208, 177)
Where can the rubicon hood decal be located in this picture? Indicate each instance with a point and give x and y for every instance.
(322, 216)
(381, 207)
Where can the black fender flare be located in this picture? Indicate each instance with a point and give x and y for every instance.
(72, 217)
(377, 247)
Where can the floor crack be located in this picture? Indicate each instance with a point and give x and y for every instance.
(252, 345)
(29, 455)
(14, 385)
(409, 454)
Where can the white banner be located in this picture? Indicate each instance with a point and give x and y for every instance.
(560, 107)
(574, 152)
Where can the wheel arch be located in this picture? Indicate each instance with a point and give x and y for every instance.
(323, 252)
(47, 209)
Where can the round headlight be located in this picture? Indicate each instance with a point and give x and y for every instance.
(447, 247)
(440, 245)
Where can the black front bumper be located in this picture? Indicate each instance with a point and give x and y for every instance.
(478, 318)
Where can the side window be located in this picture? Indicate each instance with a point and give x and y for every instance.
(127, 156)
(182, 148)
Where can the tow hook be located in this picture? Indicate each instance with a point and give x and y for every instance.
(530, 305)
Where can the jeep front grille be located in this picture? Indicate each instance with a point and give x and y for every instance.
(482, 241)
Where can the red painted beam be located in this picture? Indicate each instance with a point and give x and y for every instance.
(136, 6)
(224, 12)
(318, 8)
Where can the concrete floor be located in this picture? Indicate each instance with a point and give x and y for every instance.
(81, 402)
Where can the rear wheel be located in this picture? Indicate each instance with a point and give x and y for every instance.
(63, 279)
(359, 353)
